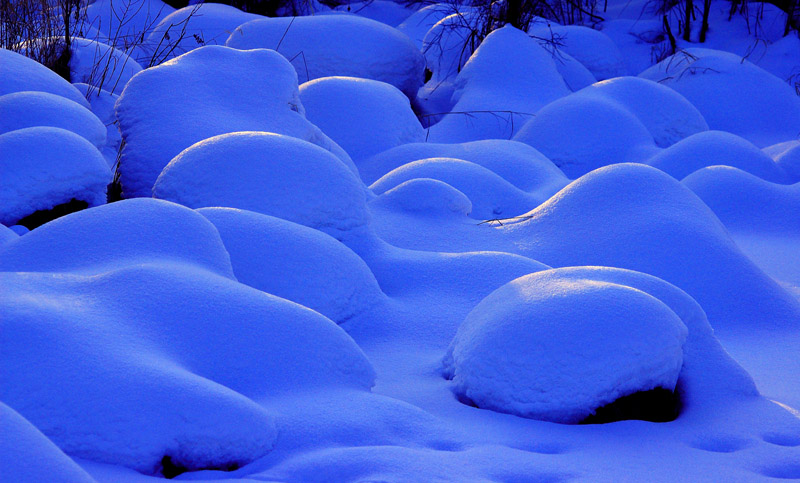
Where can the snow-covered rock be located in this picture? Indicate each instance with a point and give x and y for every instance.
(557, 348)
(337, 45)
(165, 109)
(267, 173)
(36, 108)
(518, 163)
(712, 148)
(508, 79)
(180, 350)
(19, 73)
(581, 133)
(363, 116)
(732, 94)
(666, 114)
(296, 263)
(194, 26)
(592, 48)
(47, 166)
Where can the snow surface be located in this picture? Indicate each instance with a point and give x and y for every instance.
(207, 76)
(19, 73)
(337, 45)
(101, 65)
(592, 48)
(363, 116)
(46, 166)
(267, 173)
(102, 105)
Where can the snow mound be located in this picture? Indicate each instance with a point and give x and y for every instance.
(19, 73)
(126, 21)
(420, 22)
(747, 203)
(384, 11)
(787, 155)
(270, 174)
(592, 48)
(7, 234)
(362, 116)
(575, 75)
(179, 350)
(194, 26)
(234, 86)
(557, 348)
(425, 196)
(668, 232)
(100, 65)
(31, 108)
(580, 133)
(666, 114)
(712, 148)
(338, 45)
(491, 196)
(296, 263)
(27, 454)
(44, 167)
(508, 78)
(519, 164)
(732, 94)
(129, 232)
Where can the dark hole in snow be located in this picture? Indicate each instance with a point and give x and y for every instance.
(428, 74)
(41, 217)
(170, 469)
(657, 405)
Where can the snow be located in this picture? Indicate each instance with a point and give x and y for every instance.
(35, 108)
(787, 156)
(296, 263)
(233, 81)
(337, 45)
(194, 26)
(426, 197)
(519, 164)
(46, 166)
(592, 48)
(270, 174)
(178, 349)
(124, 22)
(364, 117)
(580, 133)
(29, 456)
(384, 11)
(494, 97)
(19, 73)
(732, 94)
(100, 65)
(420, 22)
(102, 105)
(557, 348)
(713, 148)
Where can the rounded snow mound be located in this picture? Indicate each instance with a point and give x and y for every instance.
(158, 120)
(519, 164)
(338, 45)
(582, 133)
(29, 456)
(745, 203)
(102, 104)
(508, 79)
(44, 167)
(125, 232)
(31, 108)
(713, 148)
(787, 155)
(270, 174)
(192, 27)
(491, 196)
(19, 73)
(363, 116)
(181, 350)
(592, 48)
(101, 65)
(557, 348)
(296, 263)
(7, 234)
(674, 119)
(732, 94)
(425, 196)
(420, 22)
(384, 11)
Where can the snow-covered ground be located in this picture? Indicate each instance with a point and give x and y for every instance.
(362, 245)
